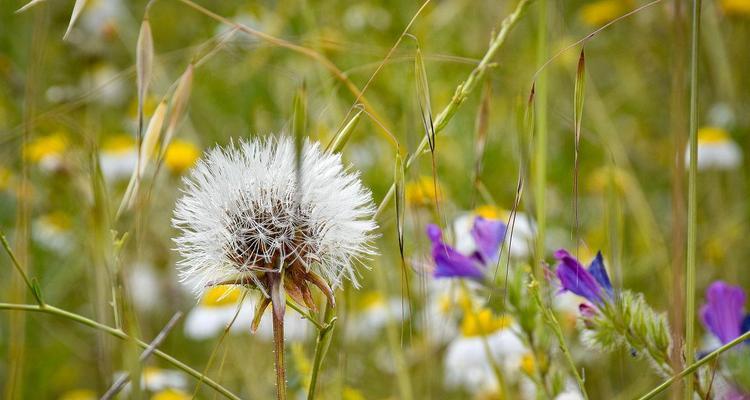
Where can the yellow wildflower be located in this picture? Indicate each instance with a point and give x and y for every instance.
(735, 7)
(180, 156)
(600, 12)
(220, 295)
(171, 394)
(483, 322)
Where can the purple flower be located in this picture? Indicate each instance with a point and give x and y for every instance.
(724, 311)
(488, 237)
(591, 283)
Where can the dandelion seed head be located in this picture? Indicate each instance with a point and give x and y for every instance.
(243, 212)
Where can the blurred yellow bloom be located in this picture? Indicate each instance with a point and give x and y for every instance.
(735, 7)
(221, 295)
(180, 156)
(528, 363)
(118, 144)
(420, 192)
(350, 393)
(490, 212)
(79, 394)
(149, 106)
(602, 178)
(600, 12)
(171, 394)
(711, 134)
(371, 299)
(57, 220)
(43, 147)
(483, 322)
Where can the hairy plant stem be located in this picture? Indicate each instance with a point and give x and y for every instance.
(278, 350)
(462, 91)
(48, 309)
(549, 317)
(321, 348)
(692, 222)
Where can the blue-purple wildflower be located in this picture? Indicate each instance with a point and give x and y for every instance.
(591, 283)
(488, 236)
(724, 312)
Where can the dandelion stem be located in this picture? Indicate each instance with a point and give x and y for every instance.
(463, 90)
(278, 342)
(692, 200)
(48, 309)
(694, 366)
(321, 348)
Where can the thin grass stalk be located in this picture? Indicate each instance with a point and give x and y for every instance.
(321, 348)
(549, 317)
(677, 123)
(692, 222)
(692, 368)
(540, 138)
(463, 90)
(49, 309)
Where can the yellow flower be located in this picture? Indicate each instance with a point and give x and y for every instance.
(149, 106)
(712, 135)
(603, 177)
(350, 393)
(601, 12)
(46, 146)
(220, 295)
(490, 212)
(171, 394)
(371, 299)
(180, 156)
(118, 144)
(79, 394)
(420, 192)
(57, 220)
(528, 363)
(735, 7)
(483, 322)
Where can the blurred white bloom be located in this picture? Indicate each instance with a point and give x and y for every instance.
(523, 229)
(48, 152)
(364, 15)
(155, 380)
(716, 150)
(243, 215)
(569, 394)
(468, 363)
(53, 231)
(109, 88)
(118, 157)
(373, 312)
(721, 115)
(145, 288)
(99, 18)
(218, 307)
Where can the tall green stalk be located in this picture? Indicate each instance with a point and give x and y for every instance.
(692, 222)
(540, 138)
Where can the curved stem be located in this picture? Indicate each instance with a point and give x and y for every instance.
(48, 309)
(693, 367)
(462, 91)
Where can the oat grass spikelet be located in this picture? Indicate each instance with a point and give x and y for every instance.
(245, 219)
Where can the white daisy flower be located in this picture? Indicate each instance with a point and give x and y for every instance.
(373, 312)
(218, 307)
(118, 157)
(716, 150)
(146, 291)
(467, 362)
(244, 219)
(54, 232)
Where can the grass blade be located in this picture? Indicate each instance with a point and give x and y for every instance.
(77, 10)
(339, 141)
(578, 116)
(28, 5)
(144, 59)
(423, 98)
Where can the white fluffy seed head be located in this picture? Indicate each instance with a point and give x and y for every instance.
(243, 212)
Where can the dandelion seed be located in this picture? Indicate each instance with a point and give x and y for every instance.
(244, 220)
